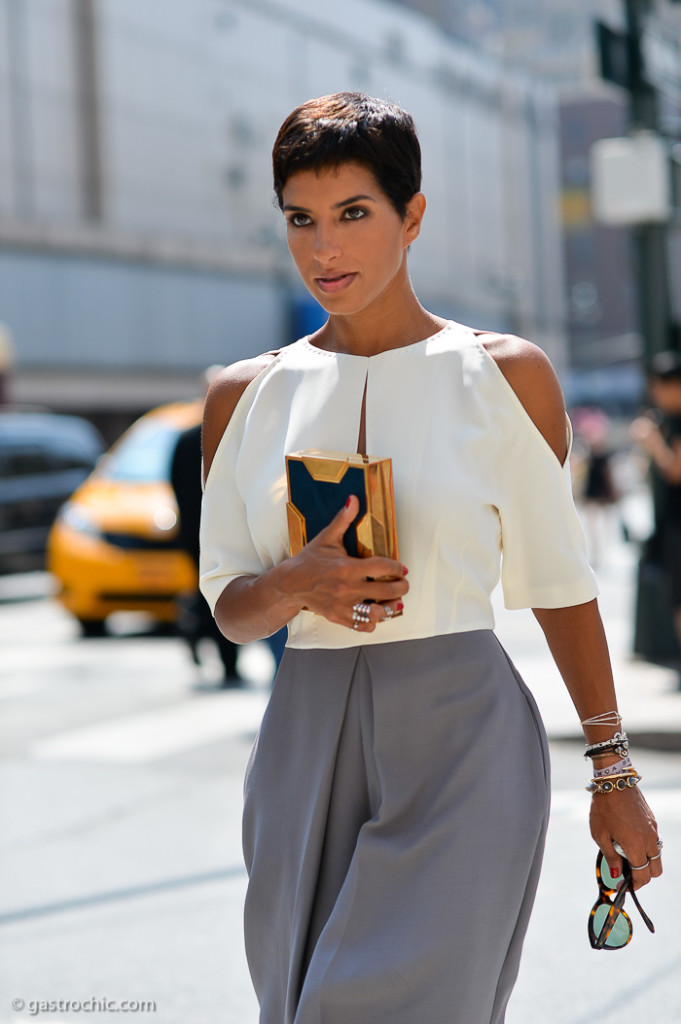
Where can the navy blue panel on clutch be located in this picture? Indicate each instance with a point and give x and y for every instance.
(319, 501)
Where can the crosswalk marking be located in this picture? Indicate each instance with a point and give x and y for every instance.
(158, 733)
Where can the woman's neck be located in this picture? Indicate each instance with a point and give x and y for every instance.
(371, 331)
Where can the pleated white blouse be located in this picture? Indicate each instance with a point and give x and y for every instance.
(479, 492)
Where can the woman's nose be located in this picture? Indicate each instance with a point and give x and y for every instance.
(327, 245)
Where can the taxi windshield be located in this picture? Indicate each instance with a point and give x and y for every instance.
(143, 455)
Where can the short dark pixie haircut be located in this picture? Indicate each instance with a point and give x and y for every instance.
(350, 126)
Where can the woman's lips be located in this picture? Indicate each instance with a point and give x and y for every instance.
(335, 282)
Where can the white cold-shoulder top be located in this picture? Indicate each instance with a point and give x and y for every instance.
(479, 492)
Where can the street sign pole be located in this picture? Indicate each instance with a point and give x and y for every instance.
(650, 239)
(643, 60)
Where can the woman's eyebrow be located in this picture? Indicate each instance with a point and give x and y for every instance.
(290, 208)
(352, 199)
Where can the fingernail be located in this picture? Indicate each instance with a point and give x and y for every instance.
(347, 503)
(400, 606)
(404, 570)
(615, 872)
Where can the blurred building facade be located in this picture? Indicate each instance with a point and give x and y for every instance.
(556, 40)
(555, 37)
(138, 239)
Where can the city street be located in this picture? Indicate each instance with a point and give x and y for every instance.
(120, 859)
(185, 185)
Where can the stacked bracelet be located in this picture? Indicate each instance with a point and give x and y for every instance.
(613, 777)
(618, 768)
(627, 780)
(607, 718)
(617, 744)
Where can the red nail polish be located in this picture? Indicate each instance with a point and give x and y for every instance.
(400, 606)
(615, 873)
(347, 503)
(404, 570)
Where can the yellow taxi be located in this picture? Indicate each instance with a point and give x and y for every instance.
(113, 546)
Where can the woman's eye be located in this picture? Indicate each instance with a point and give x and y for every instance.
(299, 220)
(355, 213)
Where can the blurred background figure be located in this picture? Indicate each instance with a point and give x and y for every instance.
(659, 434)
(6, 363)
(597, 488)
(196, 622)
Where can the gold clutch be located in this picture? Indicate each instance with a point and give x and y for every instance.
(319, 484)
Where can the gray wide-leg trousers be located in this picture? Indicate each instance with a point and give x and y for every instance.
(396, 805)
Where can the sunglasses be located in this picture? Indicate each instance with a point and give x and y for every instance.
(610, 926)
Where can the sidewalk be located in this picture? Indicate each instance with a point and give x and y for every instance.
(649, 701)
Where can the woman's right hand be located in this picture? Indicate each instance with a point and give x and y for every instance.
(328, 581)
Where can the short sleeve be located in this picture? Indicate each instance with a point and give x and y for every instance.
(544, 560)
(227, 550)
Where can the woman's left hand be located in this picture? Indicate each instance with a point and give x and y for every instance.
(626, 819)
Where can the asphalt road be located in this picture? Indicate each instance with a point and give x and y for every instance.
(120, 863)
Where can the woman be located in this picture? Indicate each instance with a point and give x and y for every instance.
(397, 797)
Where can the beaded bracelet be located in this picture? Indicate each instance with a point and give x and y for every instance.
(615, 782)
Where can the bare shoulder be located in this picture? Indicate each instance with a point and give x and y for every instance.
(222, 399)
(528, 370)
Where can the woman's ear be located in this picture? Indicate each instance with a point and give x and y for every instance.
(416, 207)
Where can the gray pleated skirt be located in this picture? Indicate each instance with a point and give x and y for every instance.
(396, 805)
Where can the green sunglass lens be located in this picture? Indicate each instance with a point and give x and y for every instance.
(619, 935)
(608, 880)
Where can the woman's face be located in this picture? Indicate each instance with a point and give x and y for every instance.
(346, 238)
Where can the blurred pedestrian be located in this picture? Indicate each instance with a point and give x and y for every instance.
(659, 433)
(599, 495)
(196, 621)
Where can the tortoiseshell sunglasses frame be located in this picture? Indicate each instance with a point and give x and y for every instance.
(615, 907)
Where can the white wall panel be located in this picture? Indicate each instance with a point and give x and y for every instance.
(7, 195)
(53, 109)
(192, 93)
(100, 313)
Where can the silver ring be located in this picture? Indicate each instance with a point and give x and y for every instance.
(388, 611)
(656, 857)
(361, 612)
(659, 844)
(640, 867)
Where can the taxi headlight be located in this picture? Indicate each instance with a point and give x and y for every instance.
(165, 518)
(78, 519)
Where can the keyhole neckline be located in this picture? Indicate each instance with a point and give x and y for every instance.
(378, 355)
